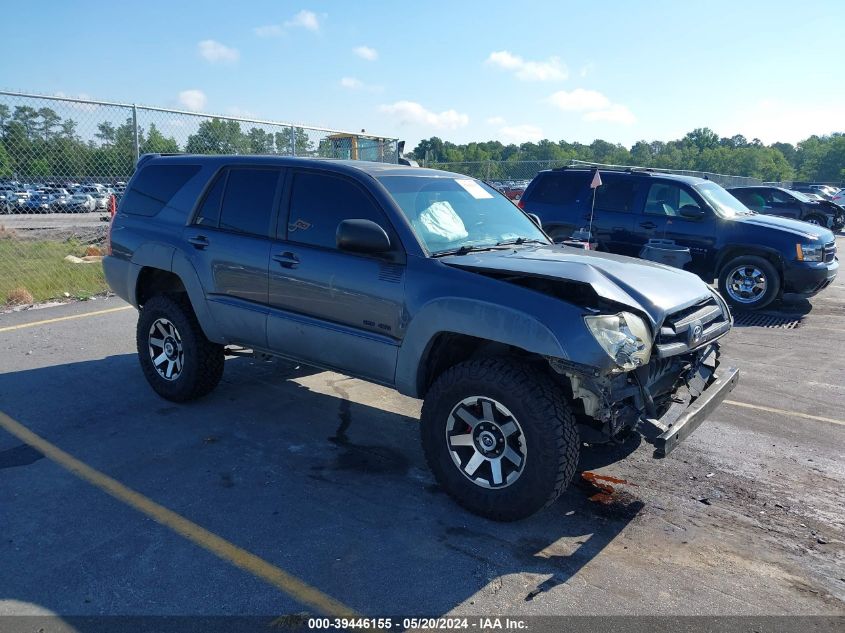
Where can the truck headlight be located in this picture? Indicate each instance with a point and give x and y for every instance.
(624, 336)
(809, 252)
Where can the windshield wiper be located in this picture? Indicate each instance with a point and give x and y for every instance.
(520, 240)
(463, 250)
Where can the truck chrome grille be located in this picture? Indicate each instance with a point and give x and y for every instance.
(692, 327)
(829, 252)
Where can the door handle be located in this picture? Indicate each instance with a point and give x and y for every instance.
(287, 259)
(199, 241)
(648, 225)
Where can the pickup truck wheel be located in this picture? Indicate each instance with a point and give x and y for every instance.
(749, 282)
(179, 362)
(499, 437)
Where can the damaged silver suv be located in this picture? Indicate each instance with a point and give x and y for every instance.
(431, 283)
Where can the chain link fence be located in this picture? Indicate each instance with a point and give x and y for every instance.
(516, 174)
(62, 158)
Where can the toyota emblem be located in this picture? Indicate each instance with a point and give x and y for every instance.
(695, 333)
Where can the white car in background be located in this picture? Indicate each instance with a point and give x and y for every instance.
(99, 193)
(839, 198)
(81, 202)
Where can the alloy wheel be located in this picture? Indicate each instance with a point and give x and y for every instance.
(166, 352)
(746, 284)
(486, 442)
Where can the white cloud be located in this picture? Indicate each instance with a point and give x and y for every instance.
(578, 100)
(411, 112)
(192, 99)
(365, 52)
(520, 133)
(241, 112)
(496, 120)
(550, 70)
(86, 107)
(351, 83)
(616, 113)
(269, 30)
(594, 105)
(772, 120)
(304, 19)
(213, 51)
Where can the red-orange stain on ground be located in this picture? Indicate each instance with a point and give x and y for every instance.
(604, 491)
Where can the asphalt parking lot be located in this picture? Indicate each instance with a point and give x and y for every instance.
(293, 490)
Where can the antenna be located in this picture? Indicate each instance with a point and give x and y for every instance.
(595, 184)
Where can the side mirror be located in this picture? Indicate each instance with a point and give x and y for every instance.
(691, 212)
(536, 219)
(361, 236)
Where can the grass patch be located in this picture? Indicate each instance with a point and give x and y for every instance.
(39, 268)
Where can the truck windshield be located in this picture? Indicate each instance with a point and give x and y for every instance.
(452, 213)
(725, 205)
(799, 195)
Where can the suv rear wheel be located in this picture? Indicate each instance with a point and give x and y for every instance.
(499, 437)
(179, 362)
(749, 282)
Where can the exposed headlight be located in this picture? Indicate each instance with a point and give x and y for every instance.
(624, 336)
(809, 252)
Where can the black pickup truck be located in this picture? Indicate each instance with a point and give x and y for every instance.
(431, 283)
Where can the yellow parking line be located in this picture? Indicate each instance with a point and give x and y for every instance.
(794, 414)
(64, 318)
(220, 547)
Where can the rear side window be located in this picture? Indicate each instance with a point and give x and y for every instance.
(249, 199)
(154, 187)
(616, 194)
(209, 212)
(320, 202)
(562, 188)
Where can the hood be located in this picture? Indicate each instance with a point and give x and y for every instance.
(787, 225)
(826, 206)
(653, 289)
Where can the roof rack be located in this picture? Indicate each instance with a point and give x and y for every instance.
(580, 164)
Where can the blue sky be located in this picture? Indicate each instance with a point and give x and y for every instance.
(620, 71)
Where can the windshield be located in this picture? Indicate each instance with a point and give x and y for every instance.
(797, 194)
(450, 213)
(725, 205)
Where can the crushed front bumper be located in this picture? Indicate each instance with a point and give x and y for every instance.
(691, 418)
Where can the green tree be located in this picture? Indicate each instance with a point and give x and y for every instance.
(157, 143)
(217, 136)
(300, 145)
(6, 166)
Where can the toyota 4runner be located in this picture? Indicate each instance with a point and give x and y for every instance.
(431, 283)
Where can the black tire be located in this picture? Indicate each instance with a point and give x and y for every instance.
(201, 360)
(547, 428)
(818, 220)
(752, 262)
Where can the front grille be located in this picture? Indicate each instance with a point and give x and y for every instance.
(692, 327)
(829, 252)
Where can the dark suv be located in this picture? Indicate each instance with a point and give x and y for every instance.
(426, 281)
(755, 258)
(790, 204)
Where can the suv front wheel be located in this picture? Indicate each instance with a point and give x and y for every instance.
(499, 437)
(749, 282)
(179, 362)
